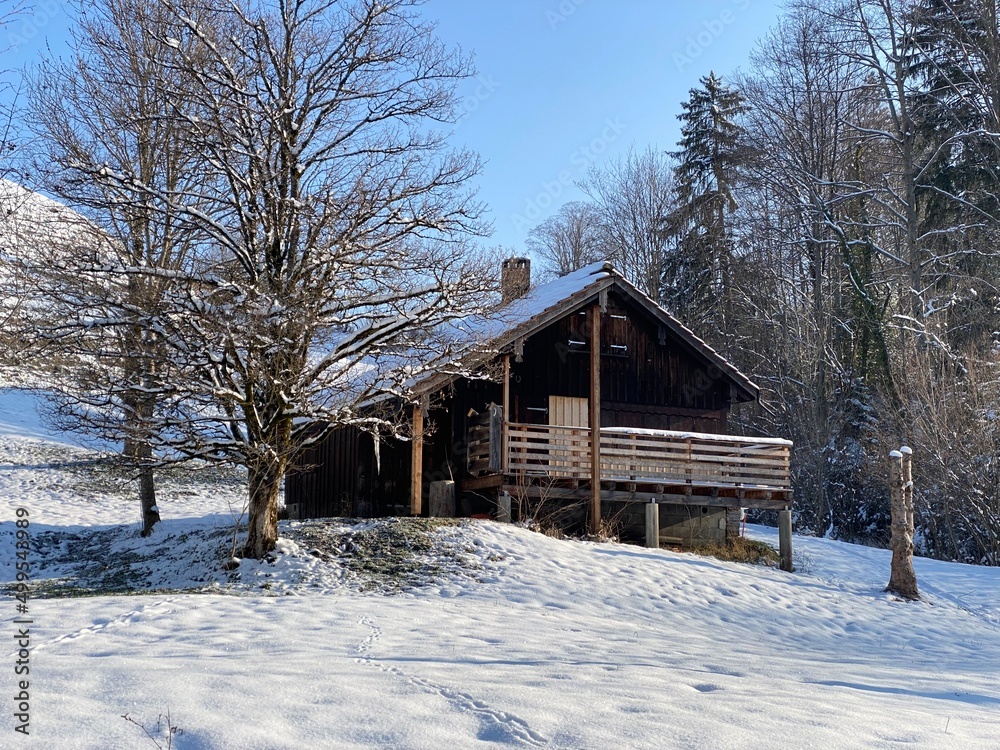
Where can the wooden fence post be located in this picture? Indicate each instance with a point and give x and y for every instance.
(902, 578)
(785, 539)
(503, 508)
(653, 524)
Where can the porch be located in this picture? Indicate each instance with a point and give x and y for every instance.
(662, 466)
(716, 474)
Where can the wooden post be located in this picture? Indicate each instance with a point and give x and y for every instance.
(505, 457)
(503, 508)
(417, 462)
(595, 419)
(497, 435)
(902, 578)
(653, 524)
(785, 539)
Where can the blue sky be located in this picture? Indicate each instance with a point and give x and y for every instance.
(562, 84)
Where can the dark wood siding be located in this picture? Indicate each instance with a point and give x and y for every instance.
(649, 378)
(341, 477)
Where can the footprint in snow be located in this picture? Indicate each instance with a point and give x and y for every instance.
(706, 688)
(495, 725)
(123, 619)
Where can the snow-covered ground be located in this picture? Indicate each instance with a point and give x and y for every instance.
(498, 637)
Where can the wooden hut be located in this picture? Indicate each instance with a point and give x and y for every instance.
(588, 396)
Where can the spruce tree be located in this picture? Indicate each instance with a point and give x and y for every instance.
(953, 56)
(712, 150)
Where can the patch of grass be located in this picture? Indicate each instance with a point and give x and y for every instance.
(93, 562)
(742, 550)
(56, 588)
(383, 556)
(387, 555)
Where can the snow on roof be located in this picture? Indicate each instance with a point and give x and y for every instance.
(485, 334)
(546, 296)
(534, 303)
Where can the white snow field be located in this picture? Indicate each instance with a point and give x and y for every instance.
(498, 638)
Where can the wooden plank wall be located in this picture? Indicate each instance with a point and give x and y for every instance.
(339, 477)
(643, 383)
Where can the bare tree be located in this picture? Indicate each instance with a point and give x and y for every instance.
(9, 10)
(798, 286)
(953, 55)
(106, 108)
(952, 418)
(570, 239)
(900, 180)
(330, 225)
(634, 194)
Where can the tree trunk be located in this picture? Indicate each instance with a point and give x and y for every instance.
(140, 406)
(147, 489)
(264, 483)
(902, 579)
(139, 451)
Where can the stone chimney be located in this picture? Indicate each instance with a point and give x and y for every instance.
(515, 278)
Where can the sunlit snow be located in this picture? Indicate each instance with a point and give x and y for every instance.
(529, 642)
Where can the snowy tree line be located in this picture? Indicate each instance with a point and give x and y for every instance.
(829, 222)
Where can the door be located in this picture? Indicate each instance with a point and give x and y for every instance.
(569, 456)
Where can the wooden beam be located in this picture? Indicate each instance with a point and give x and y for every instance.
(491, 481)
(668, 498)
(417, 462)
(505, 457)
(595, 419)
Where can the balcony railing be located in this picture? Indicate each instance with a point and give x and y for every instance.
(695, 462)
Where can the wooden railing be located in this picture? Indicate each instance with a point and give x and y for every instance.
(478, 446)
(543, 450)
(651, 457)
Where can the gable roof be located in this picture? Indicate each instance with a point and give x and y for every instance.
(545, 303)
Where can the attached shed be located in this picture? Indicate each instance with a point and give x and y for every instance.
(587, 395)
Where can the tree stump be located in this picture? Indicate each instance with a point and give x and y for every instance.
(442, 500)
